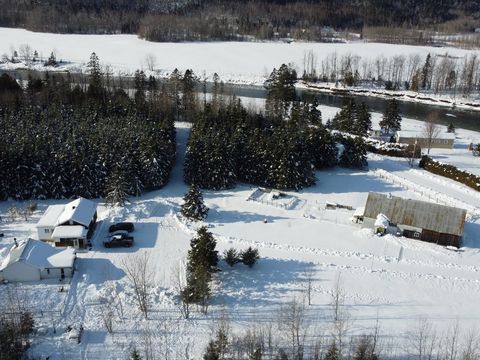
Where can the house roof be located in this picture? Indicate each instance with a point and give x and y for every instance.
(40, 255)
(80, 211)
(415, 213)
(411, 134)
(51, 215)
(69, 232)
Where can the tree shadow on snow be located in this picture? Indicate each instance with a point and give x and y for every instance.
(348, 181)
(267, 283)
(233, 216)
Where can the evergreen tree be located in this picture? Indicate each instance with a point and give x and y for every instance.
(95, 83)
(211, 353)
(345, 120)
(231, 256)
(363, 122)
(426, 71)
(189, 96)
(281, 92)
(116, 188)
(451, 128)
(202, 261)
(391, 120)
(193, 207)
(250, 256)
(333, 352)
(134, 355)
(354, 153)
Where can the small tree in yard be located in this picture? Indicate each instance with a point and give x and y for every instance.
(202, 261)
(451, 128)
(250, 256)
(391, 118)
(193, 207)
(231, 256)
(140, 274)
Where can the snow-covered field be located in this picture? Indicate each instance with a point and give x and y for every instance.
(381, 281)
(237, 62)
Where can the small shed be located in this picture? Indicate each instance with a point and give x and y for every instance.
(443, 140)
(33, 260)
(443, 225)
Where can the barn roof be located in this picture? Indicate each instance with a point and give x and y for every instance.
(39, 255)
(416, 213)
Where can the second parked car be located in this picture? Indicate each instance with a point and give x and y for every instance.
(126, 226)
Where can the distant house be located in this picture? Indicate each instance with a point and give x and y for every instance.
(443, 140)
(68, 225)
(415, 219)
(33, 260)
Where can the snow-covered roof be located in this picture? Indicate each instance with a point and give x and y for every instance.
(412, 134)
(40, 255)
(51, 215)
(382, 221)
(80, 211)
(359, 211)
(69, 232)
(416, 213)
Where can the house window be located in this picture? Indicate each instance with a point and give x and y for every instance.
(416, 235)
(47, 231)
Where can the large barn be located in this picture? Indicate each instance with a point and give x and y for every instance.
(68, 225)
(33, 260)
(416, 219)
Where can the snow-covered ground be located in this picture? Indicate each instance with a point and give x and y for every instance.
(237, 62)
(381, 280)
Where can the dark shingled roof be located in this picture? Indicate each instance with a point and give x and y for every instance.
(420, 214)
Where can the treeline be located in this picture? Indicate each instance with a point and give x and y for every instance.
(279, 149)
(65, 141)
(432, 73)
(184, 20)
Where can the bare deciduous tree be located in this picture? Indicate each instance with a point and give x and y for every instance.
(430, 130)
(26, 54)
(309, 276)
(140, 274)
(150, 61)
(180, 283)
(340, 313)
(292, 322)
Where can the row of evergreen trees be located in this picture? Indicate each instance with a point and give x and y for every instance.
(62, 141)
(232, 145)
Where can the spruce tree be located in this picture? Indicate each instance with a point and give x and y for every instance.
(363, 122)
(391, 120)
(193, 207)
(211, 353)
(333, 352)
(134, 355)
(116, 188)
(426, 70)
(202, 261)
(354, 153)
(451, 128)
(231, 256)
(250, 256)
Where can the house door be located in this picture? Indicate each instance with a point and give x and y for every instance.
(75, 244)
(62, 273)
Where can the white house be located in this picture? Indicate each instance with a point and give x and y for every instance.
(68, 225)
(33, 260)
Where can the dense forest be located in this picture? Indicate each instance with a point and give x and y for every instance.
(65, 141)
(169, 20)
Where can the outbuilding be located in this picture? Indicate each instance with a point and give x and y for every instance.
(33, 260)
(443, 140)
(68, 225)
(421, 220)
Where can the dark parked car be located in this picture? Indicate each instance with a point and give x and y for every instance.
(119, 240)
(127, 226)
